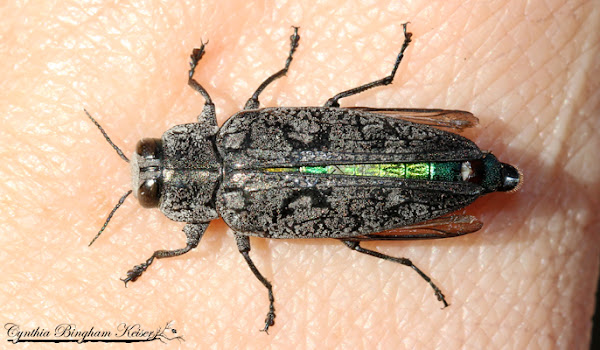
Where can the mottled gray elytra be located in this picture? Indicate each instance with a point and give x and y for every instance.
(351, 174)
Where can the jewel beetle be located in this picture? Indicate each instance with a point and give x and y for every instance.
(352, 174)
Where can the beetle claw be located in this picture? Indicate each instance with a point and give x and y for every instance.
(137, 271)
(269, 321)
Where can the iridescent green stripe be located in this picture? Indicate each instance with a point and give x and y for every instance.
(440, 171)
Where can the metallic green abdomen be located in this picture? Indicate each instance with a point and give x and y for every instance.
(440, 171)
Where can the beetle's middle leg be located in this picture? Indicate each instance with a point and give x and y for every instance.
(253, 102)
(333, 102)
(354, 245)
(243, 243)
(193, 233)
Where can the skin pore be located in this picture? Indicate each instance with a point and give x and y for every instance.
(527, 71)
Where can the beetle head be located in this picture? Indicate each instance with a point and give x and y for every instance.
(146, 172)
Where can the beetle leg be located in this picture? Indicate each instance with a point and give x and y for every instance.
(193, 233)
(208, 115)
(356, 246)
(333, 102)
(243, 243)
(253, 102)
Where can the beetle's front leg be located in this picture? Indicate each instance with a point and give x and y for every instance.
(193, 233)
(243, 243)
(208, 116)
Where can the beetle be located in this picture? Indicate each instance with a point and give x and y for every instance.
(352, 174)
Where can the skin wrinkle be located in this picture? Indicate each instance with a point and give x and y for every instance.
(130, 72)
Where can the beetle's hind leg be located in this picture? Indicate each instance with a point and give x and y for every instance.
(354, 245)
(334, 101)
(193, 233)
(253, 102)
(243, 243)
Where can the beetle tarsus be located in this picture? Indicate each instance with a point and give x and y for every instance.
(196, 56)
(269, 321)
(137, 271)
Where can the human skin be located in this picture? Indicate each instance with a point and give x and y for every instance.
(528, 70)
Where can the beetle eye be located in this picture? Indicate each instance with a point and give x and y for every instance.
(148, 148)
(149, 194)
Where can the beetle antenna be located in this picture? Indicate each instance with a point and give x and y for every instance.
(112, 212)
(119, 152)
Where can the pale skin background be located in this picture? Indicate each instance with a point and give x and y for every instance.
(528, 70)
